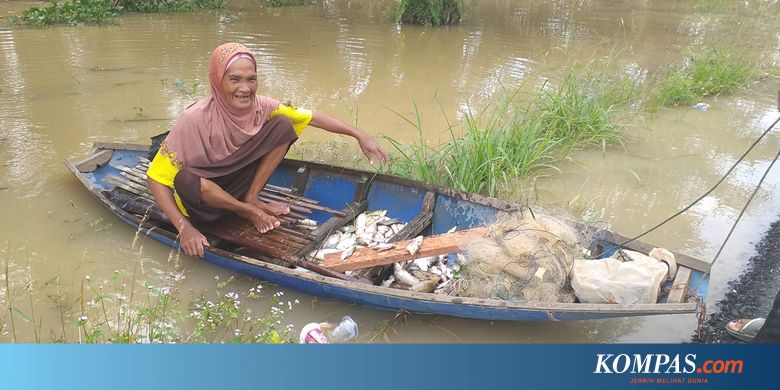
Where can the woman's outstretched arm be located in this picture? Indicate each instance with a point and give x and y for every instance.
(367, 144)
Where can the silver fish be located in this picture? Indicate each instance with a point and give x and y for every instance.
(320, 254)
(307, 222)
(348, 252)
(424, 263)
(389, 281)
(383, 247)
(346, 242)
(332, 240)
(415, 245)
(402, 276)
(360, 223)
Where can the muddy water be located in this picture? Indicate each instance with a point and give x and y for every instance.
(63, 88)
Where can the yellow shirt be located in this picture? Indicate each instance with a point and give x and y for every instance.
(163, 170)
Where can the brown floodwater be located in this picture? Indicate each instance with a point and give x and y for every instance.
(63, 88)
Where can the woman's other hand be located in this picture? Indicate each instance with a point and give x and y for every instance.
(192, 241)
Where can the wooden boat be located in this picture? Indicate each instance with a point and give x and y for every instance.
(427, 209)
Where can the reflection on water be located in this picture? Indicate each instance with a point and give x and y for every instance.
(63, 88)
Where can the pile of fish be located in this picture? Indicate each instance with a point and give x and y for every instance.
(373, 230)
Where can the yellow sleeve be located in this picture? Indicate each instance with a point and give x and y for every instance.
(300, 117)
(162, 169)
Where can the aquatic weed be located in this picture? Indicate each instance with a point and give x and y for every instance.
(708, 72)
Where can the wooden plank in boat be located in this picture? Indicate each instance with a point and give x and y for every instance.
(431, 246)
(680, 286)
(98, 160)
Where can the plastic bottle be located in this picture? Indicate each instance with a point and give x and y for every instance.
(327, 332)
(346, 330)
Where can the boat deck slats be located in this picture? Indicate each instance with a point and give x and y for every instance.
(431, 246)
(276, 243)
(679, 289)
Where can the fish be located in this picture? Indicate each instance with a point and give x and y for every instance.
(425, 286)
(402, 276)
(461, 258)
(364, 239)
(348, 252)
(415, 245)
(332, 240)
(346, 242)
(320, 254)
(389, 281)
(307, 222)
(424, 263)
(360, 223)
(383, 247)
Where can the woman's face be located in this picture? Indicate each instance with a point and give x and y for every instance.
(240, 84)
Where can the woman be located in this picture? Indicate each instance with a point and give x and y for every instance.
(223, 149)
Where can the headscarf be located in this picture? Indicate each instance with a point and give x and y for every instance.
(211, 130)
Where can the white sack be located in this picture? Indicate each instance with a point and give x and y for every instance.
(614, 281)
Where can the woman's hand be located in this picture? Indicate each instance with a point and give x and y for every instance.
(372, 149)
(192, 241)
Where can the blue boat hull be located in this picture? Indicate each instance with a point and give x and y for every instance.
(403, 199)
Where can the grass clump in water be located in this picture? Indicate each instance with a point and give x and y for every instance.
(84, 12)
(428, 12)
(708, 73)
(75, 13)
(507, 141)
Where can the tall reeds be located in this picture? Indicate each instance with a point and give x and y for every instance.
(507, 140)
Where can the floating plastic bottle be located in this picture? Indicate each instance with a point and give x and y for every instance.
(326, 332)
(346, 330)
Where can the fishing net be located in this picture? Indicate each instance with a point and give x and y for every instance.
(523, 258)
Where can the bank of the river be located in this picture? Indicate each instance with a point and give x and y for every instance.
(749, 296)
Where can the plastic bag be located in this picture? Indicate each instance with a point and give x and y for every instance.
(610, 280)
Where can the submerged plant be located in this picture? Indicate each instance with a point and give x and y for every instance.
(707, 73)
(428, 12)
(83, 12)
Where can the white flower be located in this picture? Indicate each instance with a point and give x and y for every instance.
(216, 277)
(83, 318)
(86, 277)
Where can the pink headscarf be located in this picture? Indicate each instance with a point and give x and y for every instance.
(211, 130)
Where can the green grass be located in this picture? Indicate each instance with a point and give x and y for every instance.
(84, 12)
(508, 141)
(116, 310)
(708, 73)
(428, 12)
